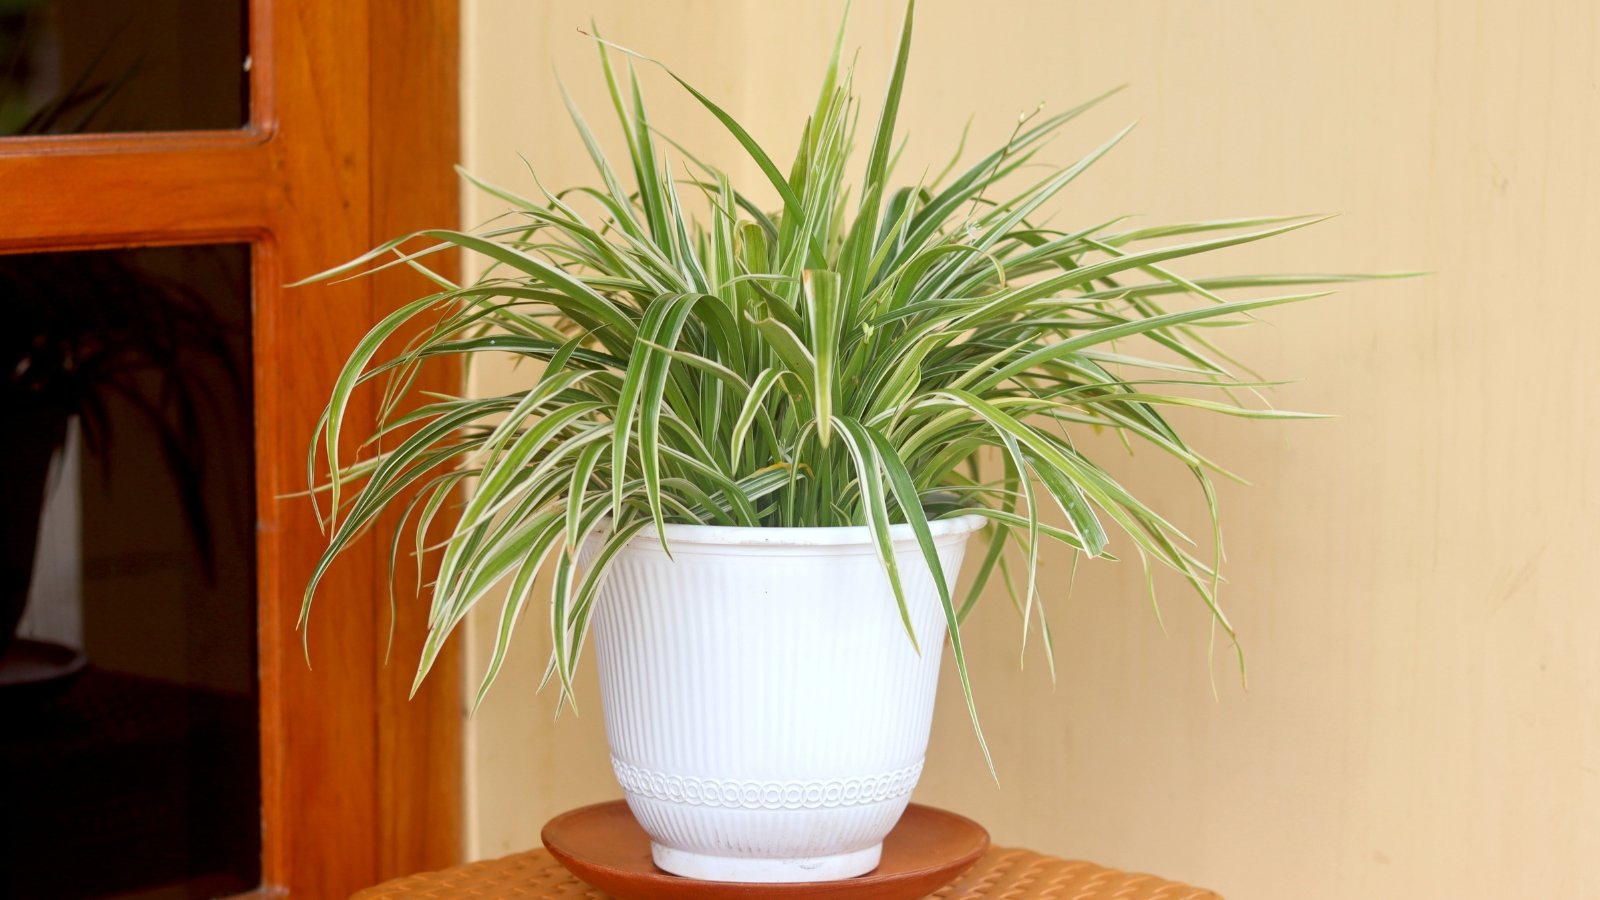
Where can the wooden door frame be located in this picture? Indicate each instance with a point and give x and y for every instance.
(352, 135)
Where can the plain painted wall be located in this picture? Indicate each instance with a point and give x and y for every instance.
(1414, 580)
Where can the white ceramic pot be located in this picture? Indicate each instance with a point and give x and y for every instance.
(766, 711)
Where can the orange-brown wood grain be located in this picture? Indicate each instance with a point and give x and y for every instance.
(352, 137)
(414, 107)
(120, 191)
(319, 723)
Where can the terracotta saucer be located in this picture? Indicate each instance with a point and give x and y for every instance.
(603, 846)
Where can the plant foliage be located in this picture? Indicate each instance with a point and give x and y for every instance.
(846, 359)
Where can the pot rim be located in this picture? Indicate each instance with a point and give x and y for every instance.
(828, 536)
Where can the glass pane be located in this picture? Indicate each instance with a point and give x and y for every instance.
(80, 66)
(129, 761)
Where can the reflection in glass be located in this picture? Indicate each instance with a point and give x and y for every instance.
(78, 66)
(129, 761)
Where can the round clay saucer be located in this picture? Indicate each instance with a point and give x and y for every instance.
(603, 846)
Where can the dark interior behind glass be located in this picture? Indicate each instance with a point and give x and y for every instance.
(129, 759)
(81, 66)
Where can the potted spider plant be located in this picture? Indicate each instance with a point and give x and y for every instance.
(759, 442)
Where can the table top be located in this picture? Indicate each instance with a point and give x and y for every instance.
(1002, 872)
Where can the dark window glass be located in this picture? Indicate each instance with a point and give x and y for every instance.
(129, 761)
(78, 66)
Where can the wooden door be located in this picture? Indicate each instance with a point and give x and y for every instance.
(351, 134)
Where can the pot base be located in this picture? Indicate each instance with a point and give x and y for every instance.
(604, 846)
(705, 867)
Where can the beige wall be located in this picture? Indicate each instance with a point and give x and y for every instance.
(1415, 580)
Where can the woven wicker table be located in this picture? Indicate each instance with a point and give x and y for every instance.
(1011, 874)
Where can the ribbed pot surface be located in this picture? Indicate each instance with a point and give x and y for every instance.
(766, 712)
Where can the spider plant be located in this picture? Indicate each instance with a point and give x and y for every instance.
(890, 352)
